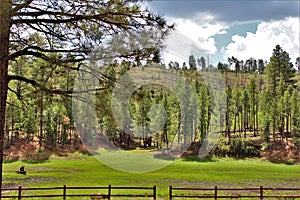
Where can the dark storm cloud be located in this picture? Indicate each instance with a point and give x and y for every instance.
(228, 10)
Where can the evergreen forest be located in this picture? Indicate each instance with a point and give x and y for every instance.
(259, 113)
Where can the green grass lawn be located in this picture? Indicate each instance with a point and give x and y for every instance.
(79, 170)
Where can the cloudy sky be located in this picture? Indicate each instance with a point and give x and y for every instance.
(225, 28)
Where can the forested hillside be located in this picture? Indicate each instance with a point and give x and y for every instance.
(259, 114)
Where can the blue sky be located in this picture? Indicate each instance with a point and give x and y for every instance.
(240, 28)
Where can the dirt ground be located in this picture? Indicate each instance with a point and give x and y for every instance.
(282, 152)
(24, 150)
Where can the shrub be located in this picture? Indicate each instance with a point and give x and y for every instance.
(240, 148)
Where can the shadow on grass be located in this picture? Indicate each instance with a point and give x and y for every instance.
(9, 161)
(197, 159)
(163, 156)
(35, 161)
(288, 162)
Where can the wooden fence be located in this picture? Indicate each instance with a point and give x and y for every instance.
(217, 193)
(67, 192)
(110, 191)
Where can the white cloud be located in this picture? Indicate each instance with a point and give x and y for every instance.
(260, 45)
(200, 34)
(191, 38)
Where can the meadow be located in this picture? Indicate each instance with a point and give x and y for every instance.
(82, 170)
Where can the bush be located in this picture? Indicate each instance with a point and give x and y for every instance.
(240, 148)
(36, 156)
(289, 162)
(221, 150)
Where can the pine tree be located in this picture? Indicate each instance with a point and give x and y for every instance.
(295, 114)
(280, 74)
(280, 67)
(287, 101)
(192, 63)
(245, 111)
(184, 67)
(265, 107)
(202, 62)
(237, 109)
(204, 102)
(261, 66)
(229, 112)
(253, 102)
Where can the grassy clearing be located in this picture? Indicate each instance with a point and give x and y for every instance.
(81, 170)
(144, 161)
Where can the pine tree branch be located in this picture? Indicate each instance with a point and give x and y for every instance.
(21, 99)
(28, 52)
(20, 6)
(38, 54)
(35, 84)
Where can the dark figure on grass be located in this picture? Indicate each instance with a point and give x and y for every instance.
(22, 170)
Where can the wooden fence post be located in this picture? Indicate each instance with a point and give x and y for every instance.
(261, 192)
(20, 193)
(109, 191)
(216, 192)
(170, 192)
(64, 192)
(154, 192)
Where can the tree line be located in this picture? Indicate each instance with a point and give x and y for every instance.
(261, 102)
(264, 106)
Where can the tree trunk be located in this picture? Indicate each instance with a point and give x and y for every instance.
(227, 122)
(5, 9)
(253, 117)
(165, 133)
(12, 130)
(6, 133)
(221, 121)
(41, 122)
(70, 131)
(234, 123)
(179, 127)
(256, 118)
(245, 123)
(194, 128)
(239, 122)
(208, 119)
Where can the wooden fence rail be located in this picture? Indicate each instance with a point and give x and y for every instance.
(233, 193)
(65, 192)
(110, 191)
